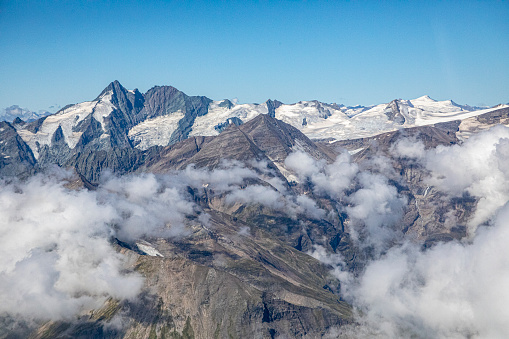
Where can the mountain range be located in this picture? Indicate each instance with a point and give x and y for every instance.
(14, 111)
(240, 220)
(121, 119)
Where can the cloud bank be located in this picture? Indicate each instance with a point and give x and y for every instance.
(57, 257)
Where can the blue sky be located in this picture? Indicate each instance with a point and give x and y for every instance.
(350, 52)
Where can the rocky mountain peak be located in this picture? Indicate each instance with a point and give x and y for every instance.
(394, 112)
(276, 138)
(272, 105)
(114, 87)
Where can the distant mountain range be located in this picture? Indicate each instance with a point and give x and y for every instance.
(13, 112)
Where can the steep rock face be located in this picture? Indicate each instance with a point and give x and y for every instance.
(176, 155)
(130, 103)
(167, 100)
(16, 158)
(235, 121)
(112, 131)
(394, 112)
(272, 105)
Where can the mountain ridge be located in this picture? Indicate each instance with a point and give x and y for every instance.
(132, 117)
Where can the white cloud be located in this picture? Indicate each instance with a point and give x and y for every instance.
(331, 179)
(256, 194)
(377, 206)
(55, 258)
(478, 167)
(373, 205)
(453, 290)
(410, 148)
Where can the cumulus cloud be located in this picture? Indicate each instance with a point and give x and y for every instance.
(409, 148)
(377, 206)
(256, 185)
(453, 290)
(479, 167)
(55, 257)
(331, 179)
(147, 205)
(256, 194)
(373, 205)
(56, 252)
(221, 178)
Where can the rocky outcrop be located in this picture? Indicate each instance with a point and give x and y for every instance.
(272, 105)
(221, 127)
(394, 112)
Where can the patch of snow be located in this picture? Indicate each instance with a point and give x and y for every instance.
(155, 131)
(437, 117)
(312, 111)
(205, 125)
(67, 120)
(426, 191)
(149, 250)
(355, 151)
(471, 125)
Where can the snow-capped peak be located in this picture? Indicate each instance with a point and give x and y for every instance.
(425, 98)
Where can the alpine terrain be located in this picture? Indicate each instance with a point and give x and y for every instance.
(163, 215)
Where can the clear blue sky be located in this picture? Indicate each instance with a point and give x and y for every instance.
(350, 52)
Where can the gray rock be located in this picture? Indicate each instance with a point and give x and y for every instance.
(16, 158)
